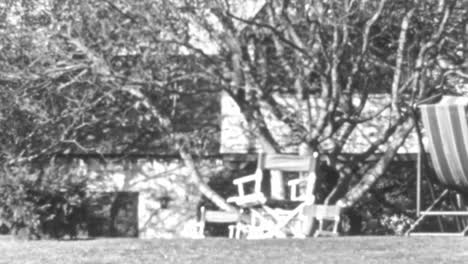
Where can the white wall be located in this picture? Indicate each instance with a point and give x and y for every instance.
(152, 179)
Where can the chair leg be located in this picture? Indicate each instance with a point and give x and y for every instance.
(263, 227)
(232, 230)
(422, 216)
(335, 225)
(319, 229)
(283, 220)
(199, 230)
(241, 230)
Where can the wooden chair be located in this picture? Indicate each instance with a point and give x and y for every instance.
(324, 214)
(281, 162)
(214, 216)
(329, 213)
(268, 220)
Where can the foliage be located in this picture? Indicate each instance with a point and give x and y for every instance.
(98, 77)
(49, 204)
(101, 81)
(125, 76)
(337, 54)
(389, 208)
(398, 224)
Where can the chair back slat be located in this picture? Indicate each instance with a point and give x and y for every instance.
(286, 162)
(446, 128)
(221, 217)
(327, 212)
(323, 212)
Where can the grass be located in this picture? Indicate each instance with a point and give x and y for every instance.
(216, 250)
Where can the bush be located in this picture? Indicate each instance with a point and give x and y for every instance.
(46, 204)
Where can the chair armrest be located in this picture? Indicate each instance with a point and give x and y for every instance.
(296, 181)
(256, 178)
(294, 194)
(245, 179)
(248, 200)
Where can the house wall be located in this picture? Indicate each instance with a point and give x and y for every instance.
(238, 137)
(153, 180)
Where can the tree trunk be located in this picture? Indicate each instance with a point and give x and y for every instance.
(379, 168)
(341, 186)
(203, 187)
(268, 145)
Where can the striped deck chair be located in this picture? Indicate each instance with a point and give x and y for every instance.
(446, 128)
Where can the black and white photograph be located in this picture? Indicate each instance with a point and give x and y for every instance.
(233, 131)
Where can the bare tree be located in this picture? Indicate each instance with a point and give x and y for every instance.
(101, 77)
(98, 68)
(339, 54)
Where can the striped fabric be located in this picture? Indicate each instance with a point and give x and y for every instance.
(446, 127)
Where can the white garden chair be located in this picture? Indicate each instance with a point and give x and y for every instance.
(269, 220)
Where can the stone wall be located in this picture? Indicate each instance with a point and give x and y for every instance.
(167, 202)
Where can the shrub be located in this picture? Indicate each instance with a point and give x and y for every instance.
(46, 204)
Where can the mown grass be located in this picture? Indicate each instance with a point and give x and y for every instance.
(215, 250)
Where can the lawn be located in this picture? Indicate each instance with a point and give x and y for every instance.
(216, 250)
